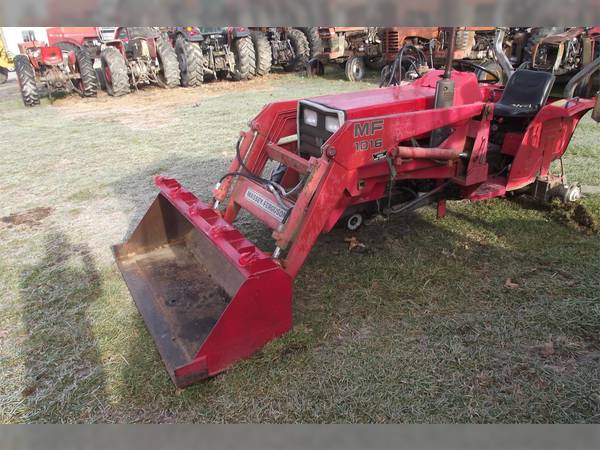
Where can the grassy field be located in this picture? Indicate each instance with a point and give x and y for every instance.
(490, 315)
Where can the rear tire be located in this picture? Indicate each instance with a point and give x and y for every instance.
(89, 82)
(3, 75)
(262, 51)
(191, 62)
(245, 59)
(115, 72)
(314, 40)
(355, 68)
(168, 63)
(27, 83)
(299, 44)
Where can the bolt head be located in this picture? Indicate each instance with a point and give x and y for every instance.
(331, 152)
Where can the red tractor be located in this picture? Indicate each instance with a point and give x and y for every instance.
(354, 48)
(52, 71)
(210, 297)
(138, 56)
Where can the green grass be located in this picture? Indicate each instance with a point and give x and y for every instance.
(421, 327)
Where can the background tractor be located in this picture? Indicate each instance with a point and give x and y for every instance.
(51, 71)
(566, 53)
(138, 56)
(212, 53)
(355, 48)
(283, 46)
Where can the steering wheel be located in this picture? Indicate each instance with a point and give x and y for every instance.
(465, 62)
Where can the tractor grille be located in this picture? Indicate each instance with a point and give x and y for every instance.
(391, 42)
(311, 138)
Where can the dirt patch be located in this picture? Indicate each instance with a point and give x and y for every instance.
(574, 214)
(30, 218)
(140, 109)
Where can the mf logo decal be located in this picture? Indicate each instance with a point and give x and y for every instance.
(367, 130)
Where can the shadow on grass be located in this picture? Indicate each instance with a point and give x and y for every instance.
(64, 378)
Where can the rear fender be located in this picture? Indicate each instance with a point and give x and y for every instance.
(546, 139)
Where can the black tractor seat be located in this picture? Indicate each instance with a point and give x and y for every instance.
(525, 94)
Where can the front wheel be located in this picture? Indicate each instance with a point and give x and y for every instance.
(355, 68)
(27, 83)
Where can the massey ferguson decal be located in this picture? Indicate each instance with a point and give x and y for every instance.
(266, 205)
(364, 134)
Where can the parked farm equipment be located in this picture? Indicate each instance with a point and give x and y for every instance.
(355, 48)
(566, 53)
(210, 297)
(138, 56)
(205, 53)
(51, 71)
(284, 46)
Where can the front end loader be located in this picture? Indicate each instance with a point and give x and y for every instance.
(210, 297)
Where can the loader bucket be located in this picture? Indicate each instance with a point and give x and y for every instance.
(208, 296)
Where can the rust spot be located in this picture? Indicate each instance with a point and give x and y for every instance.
(30, 218)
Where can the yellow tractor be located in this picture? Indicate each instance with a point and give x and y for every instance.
(6, 62)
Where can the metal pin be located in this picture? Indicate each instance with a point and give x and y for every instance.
(277, 253)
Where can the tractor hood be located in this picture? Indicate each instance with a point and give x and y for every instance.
(416, 96)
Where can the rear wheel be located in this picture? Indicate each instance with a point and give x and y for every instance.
(169, 66)
(262, 51)
(89, 82)
(115, 72)
(355, 68)
(314, 40)
(3, 75)
(299, 44)
(27, 83)
(245, 59)
(191, 62)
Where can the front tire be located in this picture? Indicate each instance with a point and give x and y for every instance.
(299, 44)
(262, 51)
(168, 63)
(89, 81)
(191, 62)
(27, 83)
(355, 68)
(115, 72)
(245, 59)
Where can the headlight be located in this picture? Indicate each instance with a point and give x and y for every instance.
(310, 117)
(332, 124)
